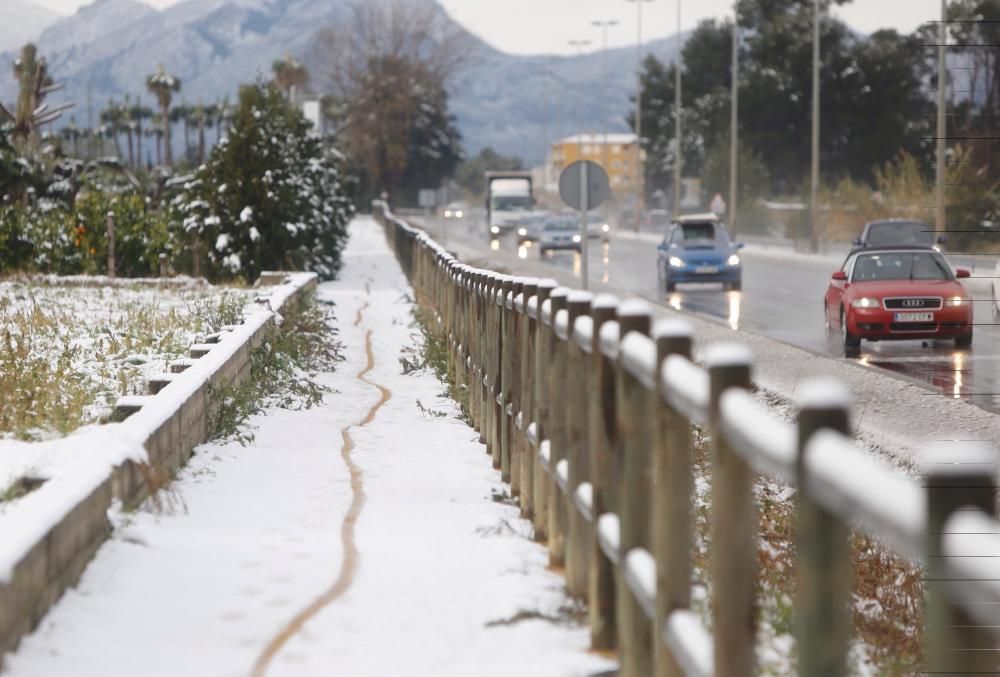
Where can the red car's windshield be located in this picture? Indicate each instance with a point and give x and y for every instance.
(900, 266)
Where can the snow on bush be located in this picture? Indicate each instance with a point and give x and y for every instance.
(271, 195)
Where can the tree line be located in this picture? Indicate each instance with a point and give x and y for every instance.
(878, 101)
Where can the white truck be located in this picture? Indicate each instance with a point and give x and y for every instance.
(508, 198)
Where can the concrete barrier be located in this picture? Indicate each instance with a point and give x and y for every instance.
(48, 537)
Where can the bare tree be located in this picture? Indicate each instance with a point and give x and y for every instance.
(384, 68)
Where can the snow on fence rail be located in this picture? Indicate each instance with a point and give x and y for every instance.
(586, 408)
(48, 536)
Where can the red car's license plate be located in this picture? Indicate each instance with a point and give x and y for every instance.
(913, 317)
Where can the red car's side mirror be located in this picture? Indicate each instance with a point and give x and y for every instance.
(962, 272)
(840, 275)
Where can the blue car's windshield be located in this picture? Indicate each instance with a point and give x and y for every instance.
(695, 232)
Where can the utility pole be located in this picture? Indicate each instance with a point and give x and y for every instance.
(604, 25)
(939, 197)
(814, 174)
(639, 174)
(584, 215)
(679, 161)
(733, 119)
(579, 44)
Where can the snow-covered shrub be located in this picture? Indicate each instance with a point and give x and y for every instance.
(270, 196)
(52, 238)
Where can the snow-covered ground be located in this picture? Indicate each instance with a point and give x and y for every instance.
(243, 568)
(87, 340)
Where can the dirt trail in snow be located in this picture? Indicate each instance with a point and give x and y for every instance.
(351, 556)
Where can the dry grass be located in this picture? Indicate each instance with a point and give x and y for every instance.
(887, 591)
(68, 352)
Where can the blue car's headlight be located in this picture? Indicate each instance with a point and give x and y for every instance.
(733, 260)
(675, 262)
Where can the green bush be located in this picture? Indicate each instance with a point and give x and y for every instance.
(51, 238)
(270, 197)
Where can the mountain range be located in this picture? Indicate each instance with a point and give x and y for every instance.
(22, 21)
(516, 104)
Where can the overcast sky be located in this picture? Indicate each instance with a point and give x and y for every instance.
(546, 26)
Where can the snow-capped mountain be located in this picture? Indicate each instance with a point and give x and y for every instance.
(108, 48)
(23, 21)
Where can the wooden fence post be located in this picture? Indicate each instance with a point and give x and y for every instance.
(734, 526)
(632, 482)
(673, 497)
(543, 374)
(522, 377)
(489, 362)
(164, 270)
(498, 308)
(578, 387)
(479, 341)
(602, 437)
(529, 462)
(508, 357)
(577, 304)
(111, 243)
(957, 475)
(823, 590)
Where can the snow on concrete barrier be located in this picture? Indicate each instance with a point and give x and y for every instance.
(631, 475)
(48, 536)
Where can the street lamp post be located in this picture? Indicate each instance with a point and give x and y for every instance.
(604, 26)
(584, 249)
(579, 44)
(814, 173)
(941, 129)
(639, 174)
(679, 160)
(733, 119)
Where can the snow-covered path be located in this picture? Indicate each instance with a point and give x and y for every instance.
(245, 565)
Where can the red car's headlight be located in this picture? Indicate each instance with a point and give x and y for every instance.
(865, 302)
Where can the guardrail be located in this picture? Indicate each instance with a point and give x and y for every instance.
(586, 407)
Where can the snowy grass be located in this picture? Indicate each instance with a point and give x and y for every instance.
(887, 597)
(68, 351)
(429, 350)
(283, 371)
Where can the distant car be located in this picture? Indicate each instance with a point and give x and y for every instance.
(898, 293)
(529, 226)
(898, 233)
(597, 226)
(456, 210)
(560, 232)
(698, 248)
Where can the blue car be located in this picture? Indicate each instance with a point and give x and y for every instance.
(698, 248)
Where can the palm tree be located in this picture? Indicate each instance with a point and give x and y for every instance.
(34, 83)
(136, 114)
(156, 129)
(289, 75)
(72, 134)
(162, 85)
(182, 115)
(201, 116)
(112, 123)
(125, 125)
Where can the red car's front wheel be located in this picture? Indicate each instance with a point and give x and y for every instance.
(852, 343)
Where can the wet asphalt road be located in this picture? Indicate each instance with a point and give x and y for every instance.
(782, 298)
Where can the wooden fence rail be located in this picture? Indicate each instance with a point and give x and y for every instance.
(586, 407)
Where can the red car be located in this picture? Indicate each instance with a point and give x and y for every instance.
(898, 293)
